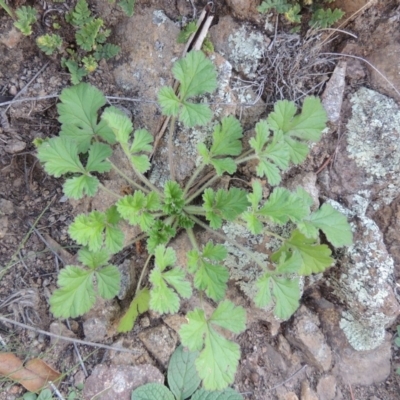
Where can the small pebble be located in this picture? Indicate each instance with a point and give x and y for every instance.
(13, 90)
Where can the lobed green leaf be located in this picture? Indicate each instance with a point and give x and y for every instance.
(139, 305)
(315, 257)
(219, 357)
(76, 295)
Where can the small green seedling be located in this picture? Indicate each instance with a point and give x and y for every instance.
(80, 58)
(320, 17)
(183, 382)
(26, 17)
(49, 43)
(82, 153)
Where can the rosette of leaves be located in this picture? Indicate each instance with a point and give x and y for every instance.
(81, 153)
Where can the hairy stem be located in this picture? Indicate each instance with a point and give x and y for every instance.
(137, 239)
(245, 154)
(202, 189)
(192, 238)
(102, 187)
(171, 147)
(232, 242)
(129, 180)
(194, 210)
(139, 174)
(193, 178)
(245, 159)
(143, 272)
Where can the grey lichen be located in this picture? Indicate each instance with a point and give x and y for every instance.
(246, 50)
(159, 17)
(373, 137)
(364, 284)
(242, 269)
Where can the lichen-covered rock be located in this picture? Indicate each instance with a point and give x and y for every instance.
(373, 142)
(149, 46)
(365, 281)
(242, 46)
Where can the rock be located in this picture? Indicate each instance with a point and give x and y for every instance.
(326, 388)
(364, 283)
(175, 321)
(118, 381)
(95, 329)
(354, 367)
(307, 393)
(14, 146)
(6, 207)
(288, 396)
(148, 63)
(160, 341)
(59, 328)
(242, 46)
(138, 356)
(367, 367)
(3, 227)
(79, 379)
(384, 56)
(244, 9)
(305, 334)
(11, 38)
(97, 324)
(333, 94)
(373, 136)
(127, 271)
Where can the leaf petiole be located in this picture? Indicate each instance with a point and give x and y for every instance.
(201, 190)
(129, 180)
(143, 272)
(246, 159)
(139, 174)
(102, 187)
(195, 210)
(171, 147)
(193, 178)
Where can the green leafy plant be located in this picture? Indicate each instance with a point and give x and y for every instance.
(82, 153)
(49, 43)
(44, 395)
(91, 37)
(320, 17)
(26, 17)
(183, 382)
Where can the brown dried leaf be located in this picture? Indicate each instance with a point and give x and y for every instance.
(33, 376)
